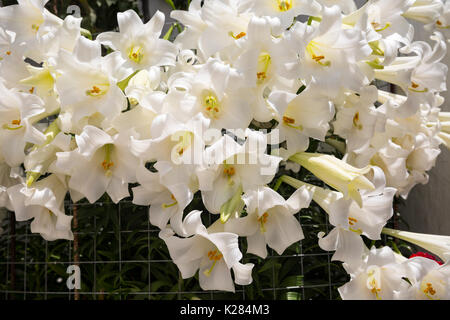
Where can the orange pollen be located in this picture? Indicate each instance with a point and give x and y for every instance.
(31, 90)
(288, 120)
(107, 165)
(173, 198)
(318, 58)
(214, 255)
(240, 35)
(95, 89)
(261, 75)
(429, 289)
(352, 221)
(16, 122)
(439, 23)
(414, 85)
(8, 53)
(263, 218)
(229, 171)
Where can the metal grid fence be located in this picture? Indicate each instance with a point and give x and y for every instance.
(32, 268)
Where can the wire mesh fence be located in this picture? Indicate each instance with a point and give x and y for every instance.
(121, 257)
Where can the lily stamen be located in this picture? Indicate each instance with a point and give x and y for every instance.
(414, 88)
(356, 121)
(214, 256)
(284, 5)
(97, 91)
(263, 220)
(317, 58)
(290, 123)
(352, 221)
(107, 163)
(135, 54)
(15, 123)
(375, 25)
(238, 36)
(264, 63)
(165, 206)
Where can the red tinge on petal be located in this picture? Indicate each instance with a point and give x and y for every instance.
(425, 255)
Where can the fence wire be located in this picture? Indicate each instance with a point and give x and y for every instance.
(121, 257)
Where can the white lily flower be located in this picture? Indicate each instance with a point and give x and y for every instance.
(347, 6)
(234, 168)
(301, 117)
(168, 192)
(429, 280)
(101, 163)
(213, 254)
(28, 19)
(215, 27)
(139, 43)
(285, 10)
(439, 245)
(270, 220)
(351, 220)
(181, 143)
(17, 110)
(425, 11)
(329, 53)
(88, 82)
(8, 177)
(336, 173)
(421, 73)
(45, 203)
(213, 91)
(377, 277)
(356, 120)
(385, 18)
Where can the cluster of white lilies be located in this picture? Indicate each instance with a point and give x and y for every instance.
(88, 117)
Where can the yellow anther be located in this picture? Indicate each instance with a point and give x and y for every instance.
(107, 163)
(262, 221)
(135, 54)
(429, 290)
(229, 171)
(415, 88)
(238, 36)
(284, 5)
(377, 28)
(264, 63)
(352, 221)
(214, 256)
(356, 121)
(15, 125)
(261, 76)
(440, 25)
(165, 206)
(311, 48)
(35, 27)
(290, 122)
(211, 105)
(372, 282)
(97, 91)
